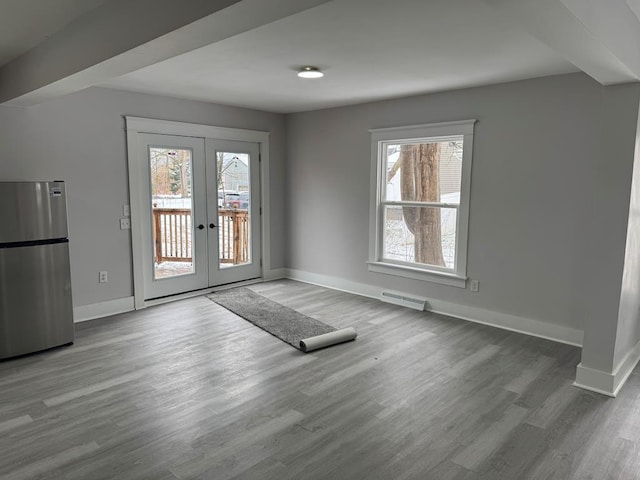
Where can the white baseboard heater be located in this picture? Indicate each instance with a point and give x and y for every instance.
(404, 300)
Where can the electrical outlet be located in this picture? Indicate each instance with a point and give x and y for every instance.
(103, 277)
(475, 285)
(125, 224)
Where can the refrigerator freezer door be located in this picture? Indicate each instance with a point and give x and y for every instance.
(32, 211)
(36, 311)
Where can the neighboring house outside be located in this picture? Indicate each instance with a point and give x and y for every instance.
(235, 173)
(450, 172)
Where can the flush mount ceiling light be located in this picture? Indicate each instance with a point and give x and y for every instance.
(310, 72)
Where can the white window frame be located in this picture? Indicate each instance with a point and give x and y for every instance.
(380, 137)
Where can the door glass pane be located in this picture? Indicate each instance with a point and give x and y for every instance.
(234, 200)
(172, 205)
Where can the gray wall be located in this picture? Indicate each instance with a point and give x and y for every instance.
(606, 216)
(628, 331)
(536, 159)
(81, 139)
(549, 198)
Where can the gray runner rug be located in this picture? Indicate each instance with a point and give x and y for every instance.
(298, 330)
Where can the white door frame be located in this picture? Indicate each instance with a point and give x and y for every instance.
(136, 125)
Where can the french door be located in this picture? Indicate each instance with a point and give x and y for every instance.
(200, 214)
(233, 185)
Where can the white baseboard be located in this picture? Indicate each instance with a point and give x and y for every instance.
(274, 274)
(595, 380)
(102, 309)
(608, 383)
(122, 305)
(536, 328)
(335, 283)
(529, 326)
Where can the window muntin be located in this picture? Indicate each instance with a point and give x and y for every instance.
(421, 199)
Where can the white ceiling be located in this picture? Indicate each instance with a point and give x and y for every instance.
(246, 52)
(26, 23)
(369, 50)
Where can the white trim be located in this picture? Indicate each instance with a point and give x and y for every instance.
(102, 309)
(335, 283)
(405, 271)
(135, 212)
(200, 292)
(136, 125)
(395, 203)
(625, 367)
(167, 127)
(528, 326)
(594, 380)
(265, 204)
(127, 304)
(274, 274)
(462, 240)
(604, 382)
(463, 127)
(513, 323)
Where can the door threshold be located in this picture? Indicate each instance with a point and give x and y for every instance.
(196, 293)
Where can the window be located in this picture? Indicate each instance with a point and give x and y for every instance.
(420, 201)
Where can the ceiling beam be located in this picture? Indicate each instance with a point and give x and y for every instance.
(601, 38)
(635, 7)
(615, 24)
(125, 35)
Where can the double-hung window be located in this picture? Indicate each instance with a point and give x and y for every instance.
(420, 201)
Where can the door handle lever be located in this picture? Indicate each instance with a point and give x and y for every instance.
(200, 227)
(211, 225)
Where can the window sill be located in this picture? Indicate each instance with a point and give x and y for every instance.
(433, 276)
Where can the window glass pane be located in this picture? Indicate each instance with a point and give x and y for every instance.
(425, 235)
(424, 171)
(172, 204)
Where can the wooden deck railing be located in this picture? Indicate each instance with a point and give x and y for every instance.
(172, 234)
(172, 229)
(233, 226)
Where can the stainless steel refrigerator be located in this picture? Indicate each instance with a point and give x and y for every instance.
(36, 312)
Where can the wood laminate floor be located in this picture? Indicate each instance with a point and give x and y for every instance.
(188, 390)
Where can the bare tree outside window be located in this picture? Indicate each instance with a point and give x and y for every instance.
(170, 172)
(423, 172)
(420, 181)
